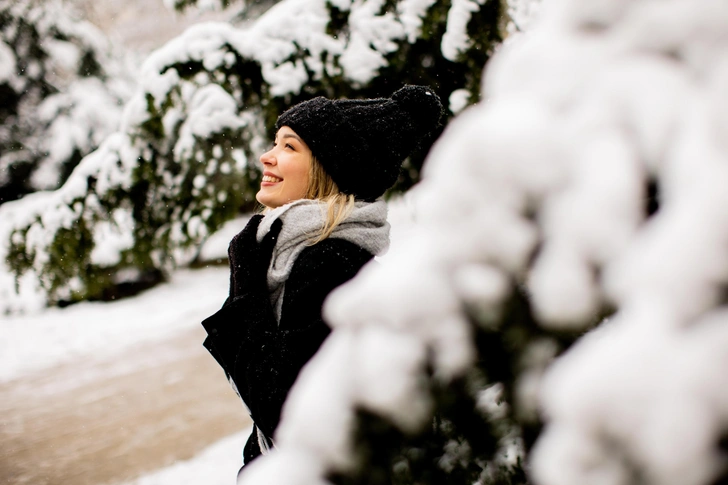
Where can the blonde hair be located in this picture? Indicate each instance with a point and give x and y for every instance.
(338, 205)
(322, 187)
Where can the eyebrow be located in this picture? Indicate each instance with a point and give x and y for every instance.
(290, 135)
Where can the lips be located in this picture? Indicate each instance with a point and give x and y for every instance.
(271, 179)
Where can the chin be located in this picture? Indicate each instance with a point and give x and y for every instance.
(273, 201)
(267, 203)
(261, 200)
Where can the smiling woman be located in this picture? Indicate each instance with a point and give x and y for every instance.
(286, 167)
(322, 181)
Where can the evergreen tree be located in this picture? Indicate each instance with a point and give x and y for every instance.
(61, 92)
(183, 161)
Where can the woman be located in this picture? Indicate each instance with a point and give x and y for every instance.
(330, 162)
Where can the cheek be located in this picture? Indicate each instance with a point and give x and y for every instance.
(302, 184)
(302, 177)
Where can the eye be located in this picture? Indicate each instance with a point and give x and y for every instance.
(289, 146)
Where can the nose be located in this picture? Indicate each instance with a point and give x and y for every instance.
(268, 158)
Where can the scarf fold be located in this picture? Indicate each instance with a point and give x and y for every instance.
(366, 226)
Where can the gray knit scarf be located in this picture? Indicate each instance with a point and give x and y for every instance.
(366, 226)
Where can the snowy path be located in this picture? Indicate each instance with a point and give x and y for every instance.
(105, 393)
(95, 329)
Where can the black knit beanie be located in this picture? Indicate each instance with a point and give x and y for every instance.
(361, 143)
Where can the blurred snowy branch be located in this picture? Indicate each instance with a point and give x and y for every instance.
(522, 14)
(591, 182)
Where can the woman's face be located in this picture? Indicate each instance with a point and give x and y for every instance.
(285, 170)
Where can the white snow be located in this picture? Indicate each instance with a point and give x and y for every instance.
(372, 36)
(458, 100)
(216, 246)
(92, 329)
(455, 40)
(112, 237)
(210, 110)
(411, 13)
(215, 465)
(522, 14)
(65, 54)
(7, 63)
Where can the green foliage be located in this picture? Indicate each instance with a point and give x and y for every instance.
(461, 446)
(483, 423)
(479, 433)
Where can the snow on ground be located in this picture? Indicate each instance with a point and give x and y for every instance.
(95, 329)
(211, 466)
(216, 245)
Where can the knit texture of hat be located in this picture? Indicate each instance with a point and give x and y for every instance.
(362, 143)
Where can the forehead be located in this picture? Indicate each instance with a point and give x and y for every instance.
(286, 132)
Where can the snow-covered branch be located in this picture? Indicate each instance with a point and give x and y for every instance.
(592, 182)
(63, 86)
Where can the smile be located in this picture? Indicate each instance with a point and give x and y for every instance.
(271, 179)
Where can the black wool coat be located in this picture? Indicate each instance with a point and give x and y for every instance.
(263, 357)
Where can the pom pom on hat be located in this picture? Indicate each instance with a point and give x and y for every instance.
(422, 104)
(362, 143)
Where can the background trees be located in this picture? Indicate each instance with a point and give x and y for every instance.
(182, 161)
(62, 88)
